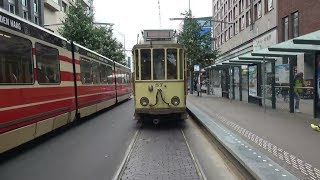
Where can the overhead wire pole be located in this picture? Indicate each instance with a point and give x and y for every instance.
(159, 13)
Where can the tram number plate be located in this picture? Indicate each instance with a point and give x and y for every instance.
(160, 85)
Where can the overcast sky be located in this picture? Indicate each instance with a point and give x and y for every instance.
(132, 16)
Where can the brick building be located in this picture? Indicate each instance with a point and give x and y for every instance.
(297, 17)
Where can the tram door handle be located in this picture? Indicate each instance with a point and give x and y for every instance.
(150, 88)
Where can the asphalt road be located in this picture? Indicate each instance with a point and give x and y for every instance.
(95, 148)
(92, 149)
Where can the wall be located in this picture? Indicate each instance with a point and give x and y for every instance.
(309, 13)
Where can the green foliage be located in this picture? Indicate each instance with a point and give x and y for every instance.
(197, 47)
(79, 27)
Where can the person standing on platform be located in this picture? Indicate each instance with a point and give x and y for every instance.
(298, 84)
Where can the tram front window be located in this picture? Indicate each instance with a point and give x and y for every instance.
(172, 64)
(158, 64)
(145, 64)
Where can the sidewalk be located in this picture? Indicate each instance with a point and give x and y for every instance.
(285, 138)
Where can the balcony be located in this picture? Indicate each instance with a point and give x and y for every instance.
(52, 5)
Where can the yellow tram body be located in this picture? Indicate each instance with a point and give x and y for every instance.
(159, 76)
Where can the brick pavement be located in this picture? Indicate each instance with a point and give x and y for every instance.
(286, 138)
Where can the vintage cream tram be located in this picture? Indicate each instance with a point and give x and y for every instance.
(159, 76)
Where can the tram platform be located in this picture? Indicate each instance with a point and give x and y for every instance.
(285, 138)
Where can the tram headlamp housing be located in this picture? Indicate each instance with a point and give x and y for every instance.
(144, 101)
(175, 100)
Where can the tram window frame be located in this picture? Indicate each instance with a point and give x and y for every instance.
(137, 69)
(157, 57)
(174, 75)
(95, 70)
(182, 61)
(55, 68)
(104, 79)
(143, 68)
(110, 80)
(28, 54)
(82, 60)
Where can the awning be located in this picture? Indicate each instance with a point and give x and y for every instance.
(267, 53)
(249, 57)
(289, 46)
(311, 38)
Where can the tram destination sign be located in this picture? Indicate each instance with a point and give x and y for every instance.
(158, 35)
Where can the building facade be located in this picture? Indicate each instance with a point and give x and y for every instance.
(246, 25)
(31, 10)
(55, 12)
(47, 13)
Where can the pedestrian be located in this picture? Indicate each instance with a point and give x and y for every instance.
(199, 88)
(298, 83)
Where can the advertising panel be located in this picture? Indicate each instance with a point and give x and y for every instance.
(282, 73)
(253, 80)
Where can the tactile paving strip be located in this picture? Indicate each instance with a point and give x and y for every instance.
(160, 154)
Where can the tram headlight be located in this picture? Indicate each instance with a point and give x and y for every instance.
(144, 101)
(175, 100)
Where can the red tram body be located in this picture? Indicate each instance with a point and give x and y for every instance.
(47, 82)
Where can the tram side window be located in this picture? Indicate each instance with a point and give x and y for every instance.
(181, 58)
(172, 64)
(48, 64)
(145, 64)
(137, 64)
(16, 63)
(85, 68)
(95, 73)
(110, 75)
(158, 64)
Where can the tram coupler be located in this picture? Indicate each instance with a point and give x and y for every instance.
(156, 121)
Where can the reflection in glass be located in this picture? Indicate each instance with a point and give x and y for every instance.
(145, 64)
(137, 64)
(172, 64)
(158, 64)
(181, 58)
(16, 65)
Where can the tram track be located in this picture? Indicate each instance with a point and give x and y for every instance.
(149, 137)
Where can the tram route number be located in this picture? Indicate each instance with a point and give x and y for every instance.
(160, 85)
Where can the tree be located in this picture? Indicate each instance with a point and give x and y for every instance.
(79, 27)
(197, 45)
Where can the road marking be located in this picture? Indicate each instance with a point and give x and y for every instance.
(305, 168)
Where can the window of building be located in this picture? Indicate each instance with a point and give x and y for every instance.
(172, 64)
(95, 72)
(64, 7)
(12, 8)
(248, 18)
(25, 15)
(226, 35)
(16, 62)
(48, 64)
(85, 71)
(145, 64)
(285, 29)
(158, 64)
(24, 3)
(56, 1)
(1, 3)
(259, 14)
(236, 28)
(269, 5)
(242, 22)
(295, 24)
(36, 20)
(36, 6)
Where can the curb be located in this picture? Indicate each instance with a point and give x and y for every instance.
(258, 164)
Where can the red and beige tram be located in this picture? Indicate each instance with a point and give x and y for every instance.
(47, 82)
